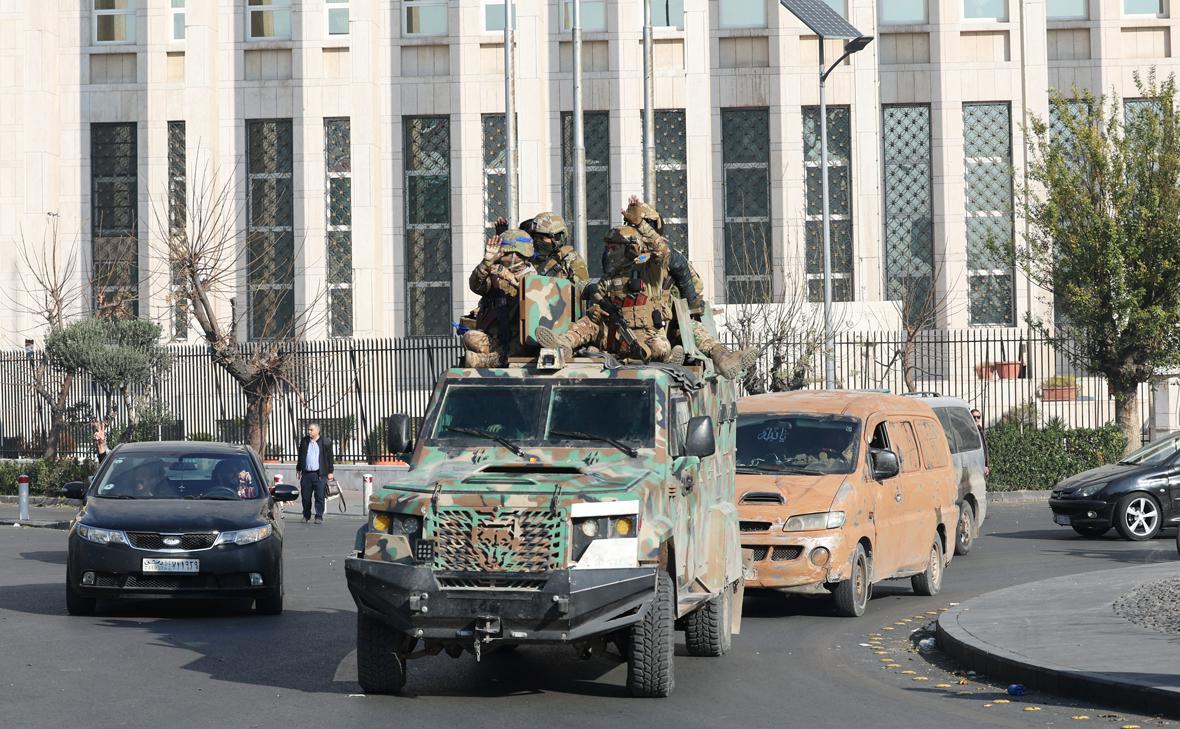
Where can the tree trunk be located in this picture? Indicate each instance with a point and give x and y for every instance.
(908, 369)
(1126, 413)
(258, 406)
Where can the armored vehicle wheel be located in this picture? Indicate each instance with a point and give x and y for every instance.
(649, 660)
(929, 582)
(965, 534)
(707, 629)
(77, 604)
(381, 669)
(852, 595)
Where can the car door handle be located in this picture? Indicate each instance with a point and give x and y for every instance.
(897, 497)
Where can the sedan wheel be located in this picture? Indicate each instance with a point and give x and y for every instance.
(1137, 517)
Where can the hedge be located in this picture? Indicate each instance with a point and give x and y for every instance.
(1030, 458)
(44, 473)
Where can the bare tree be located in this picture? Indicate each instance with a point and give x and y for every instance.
(204, 243)
(923, 307)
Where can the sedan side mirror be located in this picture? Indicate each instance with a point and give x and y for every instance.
(700, 441)
(284, 492)
(74, 490)
(397, 434)
(885, 465)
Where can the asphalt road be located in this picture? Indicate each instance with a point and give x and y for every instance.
(190, 664)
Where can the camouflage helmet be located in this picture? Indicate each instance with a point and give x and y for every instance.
(624, 235)
(638, 212)
(515, 240)
(550, 224)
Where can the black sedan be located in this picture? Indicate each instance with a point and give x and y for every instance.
(1138, 496)
(192, 520)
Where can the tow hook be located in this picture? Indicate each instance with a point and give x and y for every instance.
(563, 604)
(487, 627)
(418, 602)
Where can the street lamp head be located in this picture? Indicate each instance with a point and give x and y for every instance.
(857, 44)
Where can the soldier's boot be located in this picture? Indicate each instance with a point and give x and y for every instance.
(481, 359)
(676, 356)
(548, 340)
(732, 362)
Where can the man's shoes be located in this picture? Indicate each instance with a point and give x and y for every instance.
(306, 519)
(547, 339)
(676, 357)
(319, 520)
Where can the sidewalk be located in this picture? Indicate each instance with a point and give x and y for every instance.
(1062, 636)
(45, 517)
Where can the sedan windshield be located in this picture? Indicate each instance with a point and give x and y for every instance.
(214, 476)
(1153, 453)
(796, 443)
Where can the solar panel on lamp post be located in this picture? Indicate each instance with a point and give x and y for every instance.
(826, 23)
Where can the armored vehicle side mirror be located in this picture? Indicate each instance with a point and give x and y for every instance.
(884, 464)
(74, 490)
(700, 441)
(397, 434)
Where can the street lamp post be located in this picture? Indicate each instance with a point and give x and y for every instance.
(510, 111)
(579, 137)
(649, 114)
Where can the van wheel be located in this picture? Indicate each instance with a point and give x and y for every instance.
(706, 629)
(381, 668)
(929, 583)
(965, 534)
(649, 660)
(852, 595)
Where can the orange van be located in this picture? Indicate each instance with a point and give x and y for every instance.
(837, 490)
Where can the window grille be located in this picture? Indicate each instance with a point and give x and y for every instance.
(839, 202)
(114, 217)
(177, 223)
(745, 155)
(987, 146)
(599, 218)
(428, 224)
(338, 192)
(270, 241)
(909, 240)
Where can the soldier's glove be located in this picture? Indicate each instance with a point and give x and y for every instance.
(492, 250)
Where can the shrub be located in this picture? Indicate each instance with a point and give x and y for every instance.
(44, 474)
(1040, 458)
(1060, 381)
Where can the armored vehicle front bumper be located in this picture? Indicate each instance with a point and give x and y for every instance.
(557, 606)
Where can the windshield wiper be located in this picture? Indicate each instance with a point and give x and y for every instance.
(490, 436)
(116, 496)
(216, 498)
(771, 468)
(631, 452)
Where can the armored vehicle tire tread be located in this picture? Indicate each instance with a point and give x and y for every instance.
(1090, 530)
(851, 596)
(707, 629)
(380, 668)
(77, 604)
(929, 583)
(965, 534)
(272, 603)
(649, 660)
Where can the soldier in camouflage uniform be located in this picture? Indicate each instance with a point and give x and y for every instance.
(648, 222)
(492, 334)
(636, 287)
(555, 256)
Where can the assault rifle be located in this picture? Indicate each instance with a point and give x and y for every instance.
(614, 315)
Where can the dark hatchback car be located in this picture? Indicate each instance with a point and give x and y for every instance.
(190, 520)
(1138, 496)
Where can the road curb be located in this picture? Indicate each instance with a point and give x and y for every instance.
(32, 524)
(997, 662)
(1022, 496)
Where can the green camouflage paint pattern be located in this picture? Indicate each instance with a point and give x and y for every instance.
(547, 302)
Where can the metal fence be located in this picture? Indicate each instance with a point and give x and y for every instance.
(350, 386)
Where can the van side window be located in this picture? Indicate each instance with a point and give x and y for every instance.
(905, 444)
(880, 439)
(932, 451)
(944, 417)
(965, 431)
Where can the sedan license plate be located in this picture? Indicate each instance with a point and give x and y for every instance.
(171, 565)
(1061, 519)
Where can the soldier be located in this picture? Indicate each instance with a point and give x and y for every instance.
(492, 334)
(628, 316)
(555, 256)
(648, 222)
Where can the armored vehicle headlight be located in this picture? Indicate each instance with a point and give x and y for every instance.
(380, 521)
(589, 527)
(624, 526)
(405, 525)
(812, 522)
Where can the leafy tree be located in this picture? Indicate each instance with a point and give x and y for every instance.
(1103, 207)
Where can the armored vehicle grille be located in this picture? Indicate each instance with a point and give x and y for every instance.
(782, 554)
(492, 582)
(497, 540)
(152, 540)
(754, 526)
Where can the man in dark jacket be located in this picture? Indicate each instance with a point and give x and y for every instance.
(313, 468)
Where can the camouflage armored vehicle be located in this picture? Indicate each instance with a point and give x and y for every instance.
(585, 502)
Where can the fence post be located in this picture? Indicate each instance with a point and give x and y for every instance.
(22, 488)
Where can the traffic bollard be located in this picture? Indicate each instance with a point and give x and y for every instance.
(367, 489)
(22, 488)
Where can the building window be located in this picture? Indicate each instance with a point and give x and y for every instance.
(839, 201)
(672, 176)
(741, 13)
(114, 21)
(337, 16)
(495, 156)
(270, 235)
(1143, 7)
(268, 19)
(745, 160)
(903, 12)
(1136, 109)
(985, 10)
(424, 17)
(987, 146)
(1067, 9)
(338, 203)
(177, 20)
(840, 6)
(493, 16)
(177, 223)
(909, 239)
(428, 224)
(1063, 137)
(114, 217)
(593, 15)
(596, 135)
(667, 13)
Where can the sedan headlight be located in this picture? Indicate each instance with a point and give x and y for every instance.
(244, 536)
(1089, 490)
(102, 536)
(812, 522)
